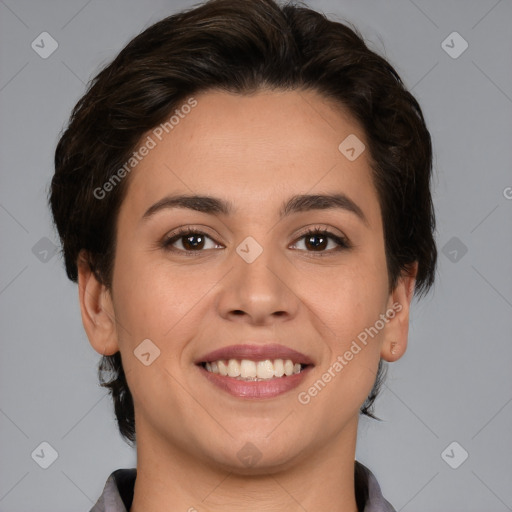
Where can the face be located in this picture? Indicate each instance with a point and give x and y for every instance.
(252, 275)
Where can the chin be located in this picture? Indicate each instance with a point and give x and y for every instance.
(254, 455)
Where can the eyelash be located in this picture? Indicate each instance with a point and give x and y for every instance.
(342, 242)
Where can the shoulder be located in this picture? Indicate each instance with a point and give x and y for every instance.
(368, 493)
(117, 495)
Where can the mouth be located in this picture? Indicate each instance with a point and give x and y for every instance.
(255, 371)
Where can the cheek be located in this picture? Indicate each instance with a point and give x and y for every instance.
(157, 299)
(151, 302)
(346, 298)
(142, 297)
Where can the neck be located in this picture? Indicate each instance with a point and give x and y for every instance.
(168, 478)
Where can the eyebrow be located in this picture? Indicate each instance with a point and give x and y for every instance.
(297, 203)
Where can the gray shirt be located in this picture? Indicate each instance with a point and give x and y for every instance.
(117, 495)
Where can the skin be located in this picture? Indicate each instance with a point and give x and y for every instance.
(255, 151)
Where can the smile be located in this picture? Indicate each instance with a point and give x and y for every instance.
(255, 371)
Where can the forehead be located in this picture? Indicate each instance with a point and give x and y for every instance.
(251, 149)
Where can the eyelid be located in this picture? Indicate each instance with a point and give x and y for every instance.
(318, 228)
(194, 229)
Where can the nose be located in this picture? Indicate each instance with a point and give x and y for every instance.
(258, 291)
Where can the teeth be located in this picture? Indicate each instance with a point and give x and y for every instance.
(265, 369)
(254, 370)
(278, 368)
(223, 369)
(233, 368)
(288, 367)
(248, 369)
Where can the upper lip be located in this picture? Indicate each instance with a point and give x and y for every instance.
(255, 353)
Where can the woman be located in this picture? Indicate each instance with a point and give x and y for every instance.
(243, 196)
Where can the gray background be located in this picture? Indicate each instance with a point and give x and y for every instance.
(453, 384)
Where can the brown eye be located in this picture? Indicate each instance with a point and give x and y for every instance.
(190, 241)
(317, 240)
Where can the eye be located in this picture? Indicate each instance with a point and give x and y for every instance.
(317, 240)
(190, 240)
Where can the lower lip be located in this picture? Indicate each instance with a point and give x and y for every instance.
(256, 389)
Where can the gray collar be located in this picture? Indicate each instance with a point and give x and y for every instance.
(117, 495)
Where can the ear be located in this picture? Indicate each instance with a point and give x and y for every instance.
(97, 309)
(397, 328)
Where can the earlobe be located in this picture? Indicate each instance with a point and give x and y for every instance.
(96, 309)
(397, 330)
(392, 351)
